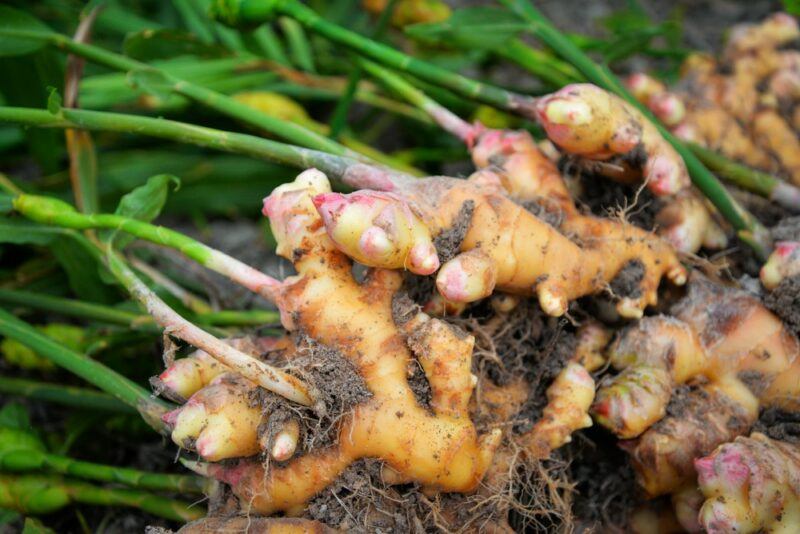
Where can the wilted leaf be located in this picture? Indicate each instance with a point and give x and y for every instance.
(476, 28)
(13, 22)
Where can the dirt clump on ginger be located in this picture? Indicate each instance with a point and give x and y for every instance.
(340, 388)
(779, 424)
(784, 301)
(448, 242)
(628, 282)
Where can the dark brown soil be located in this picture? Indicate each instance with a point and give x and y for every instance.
(779, 424)
(340, 388)
(628, 282)
(448, 242)
(604, 197)
(605, 491)
(784, 300)
(358, 501)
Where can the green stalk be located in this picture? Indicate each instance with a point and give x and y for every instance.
(90, 370)
(255, 11)
(240, 318)
(134, 321)
(236, 11)
(539, 63)
(336, 167)
(87, 399)
(747, 226)
(41, 494)
(289, 131)
(299, 47)
(194, 21)
(18, 454)
(270, 45)
(54, 212)
(758, 182)
(447, 120)
(339, 115)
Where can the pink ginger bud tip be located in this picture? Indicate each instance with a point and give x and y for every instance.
(375, 242)
(171, 417)
(423, 259)
(784, 249)
(328, 204)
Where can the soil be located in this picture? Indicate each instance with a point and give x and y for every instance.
(784, 300)
(786, 229)
(779, 424)
(448, 242)
(340, 388)
(605, 489)
(628, 282)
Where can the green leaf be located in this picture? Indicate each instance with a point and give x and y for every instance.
(7, 516)
(13, 23)
(478, 28)
(792, 7)
(148, 45)
(82, 271)
(14, 415)
(6, 203)
(53, 101)
(143, 203)
(34, 526)
(22, 232)
(152, 81)
(32, 74)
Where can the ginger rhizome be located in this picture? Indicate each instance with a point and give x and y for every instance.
(742, 104)
(750, 485)
(504, 246)
(587, 121)
(694, 380)
(381, 335)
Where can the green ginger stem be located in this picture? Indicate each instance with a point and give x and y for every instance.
(75, 397)
(19, 453)
(287, 130)
(758, 182)
(222, 103)
(237, 11)
(54, 212)
(132, 320)
(348, 171)
(749, 229)
(43, 494)
(90, 370)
